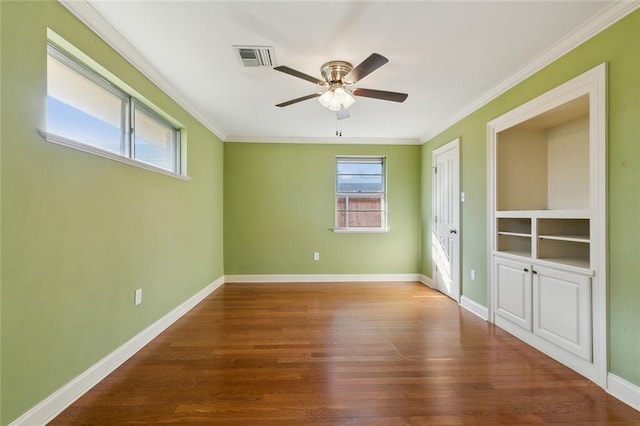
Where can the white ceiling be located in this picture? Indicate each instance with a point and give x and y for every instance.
(450, 57)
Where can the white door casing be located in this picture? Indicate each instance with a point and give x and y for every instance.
(445, 220)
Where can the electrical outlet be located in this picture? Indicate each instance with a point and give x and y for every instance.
(316, 255)
(137, 297)
(473, 275)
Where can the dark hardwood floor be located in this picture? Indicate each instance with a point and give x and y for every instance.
(341, 354)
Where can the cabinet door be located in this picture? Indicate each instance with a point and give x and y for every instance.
(562, 310)
(513, 291)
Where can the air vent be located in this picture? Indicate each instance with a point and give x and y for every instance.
(256, 56)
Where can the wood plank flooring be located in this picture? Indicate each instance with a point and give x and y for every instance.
(341, 354)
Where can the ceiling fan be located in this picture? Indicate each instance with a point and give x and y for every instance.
(339, 77)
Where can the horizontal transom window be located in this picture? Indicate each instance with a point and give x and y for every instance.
(85, 108)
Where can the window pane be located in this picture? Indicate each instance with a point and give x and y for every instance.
(365, 219)
(81, 110)
(365, 204)
(360, 184)
(354, 167)
(359, 212)
(360, 176)
(155, 141)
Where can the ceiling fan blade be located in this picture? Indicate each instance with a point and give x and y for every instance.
(381, 94)
(299, 74)
(366, 67)
(296, 100)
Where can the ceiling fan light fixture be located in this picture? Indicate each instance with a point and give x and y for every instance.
(345, 98)
(326, 98)
(335, 98)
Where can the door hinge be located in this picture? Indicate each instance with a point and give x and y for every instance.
(435, 170)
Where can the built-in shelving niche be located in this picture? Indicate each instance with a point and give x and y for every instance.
(547, 220)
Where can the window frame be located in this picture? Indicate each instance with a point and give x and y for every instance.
(129, 103)
(382, 195)
(175, 135)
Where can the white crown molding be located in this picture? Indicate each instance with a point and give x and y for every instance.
(609, 16)
(55, 403)
(623, 390)
(474, 308)
(328, 141)
(91, 18)
(316, 278)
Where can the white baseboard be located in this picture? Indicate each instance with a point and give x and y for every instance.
(311, 278)
(623, 390)
(55, 403)
(428, 281)
(474, 307)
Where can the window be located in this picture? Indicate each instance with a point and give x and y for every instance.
(83, 108)
(360, 193)
(154, 141)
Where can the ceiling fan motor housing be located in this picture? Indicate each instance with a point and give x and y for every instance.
(335, 71)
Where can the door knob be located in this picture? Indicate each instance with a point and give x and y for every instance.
(453, 231)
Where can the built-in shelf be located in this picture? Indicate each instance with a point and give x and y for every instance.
(545, 235)
(514, 234)
(572, 238)
(515, 225)
(542, 214)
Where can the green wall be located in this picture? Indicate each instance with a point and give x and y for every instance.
(618, 46)
(279, 208)
(81, 232)
(0, 214)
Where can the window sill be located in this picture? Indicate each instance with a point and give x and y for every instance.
(360, 230)
(60, 140)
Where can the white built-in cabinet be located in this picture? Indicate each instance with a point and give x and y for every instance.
(547, 223)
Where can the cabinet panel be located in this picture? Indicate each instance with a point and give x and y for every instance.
(513, 292)
(562, 310)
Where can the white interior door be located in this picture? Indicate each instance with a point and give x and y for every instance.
(445, 238)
